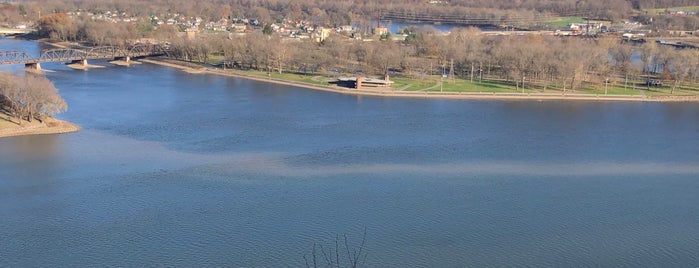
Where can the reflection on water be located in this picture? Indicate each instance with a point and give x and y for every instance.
(175, 169)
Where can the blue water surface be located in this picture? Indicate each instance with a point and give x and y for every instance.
(191, 170)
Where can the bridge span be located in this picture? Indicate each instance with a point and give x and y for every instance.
(72, 55)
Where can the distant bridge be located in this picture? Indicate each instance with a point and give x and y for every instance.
(73, 55)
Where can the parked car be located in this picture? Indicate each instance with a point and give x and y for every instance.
(654, 83)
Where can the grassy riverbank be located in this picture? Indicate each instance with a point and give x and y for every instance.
(436, 87)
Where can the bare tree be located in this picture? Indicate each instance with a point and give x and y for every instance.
(682, 64)
(29, 97)
(334, 257)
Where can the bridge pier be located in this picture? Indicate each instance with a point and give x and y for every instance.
(122, 61)
(32, 66)
(126, 59)
(82, 62)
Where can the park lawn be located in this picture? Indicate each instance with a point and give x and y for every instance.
(657, 11)
(409, 84)
(564, 21)
(692, 87)
(616, 90)
(216, 58)
(285, 76)
(460, 85)
(642, 89)
(667, 91)
(612, 89)
(598, 89)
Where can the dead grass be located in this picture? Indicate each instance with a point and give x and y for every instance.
(9, 128)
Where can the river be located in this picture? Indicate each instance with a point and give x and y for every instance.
(189, 170)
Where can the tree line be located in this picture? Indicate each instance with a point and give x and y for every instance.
(353, 12)
(543, 61)
(546, 61)
(62, 27)
(28, 97)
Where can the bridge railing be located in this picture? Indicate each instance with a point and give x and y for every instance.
(59, 55)
(16, 57)
(71, 54)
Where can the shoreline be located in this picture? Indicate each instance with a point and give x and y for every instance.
(49, 126)
(380, 92)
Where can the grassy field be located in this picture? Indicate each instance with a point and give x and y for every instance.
(432, 84)
(497, 86)
(564, 21)
(657, 11)
(667, 91)
(287, 76)
(409, 84)
(461, 85)
(216, 58)
(617, 90)
(500, 86)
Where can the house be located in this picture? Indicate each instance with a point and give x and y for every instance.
(681, 13)
(345, 28)
(238, 28)
(321, 34)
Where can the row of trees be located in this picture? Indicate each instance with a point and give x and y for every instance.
(349, 12)
(60, 26)
(547, 61)
(28, 97)
(11, 14)
(643, 4)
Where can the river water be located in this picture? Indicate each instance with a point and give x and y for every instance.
(186, 170)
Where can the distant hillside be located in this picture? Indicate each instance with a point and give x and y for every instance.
(336, 12)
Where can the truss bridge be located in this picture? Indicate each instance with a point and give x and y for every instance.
(71, 55)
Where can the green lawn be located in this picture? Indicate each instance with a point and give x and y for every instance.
(460, 85)
(564, 21)
(662, 10)
(431, 84)
(286, 76)
(617, 90)
(216, 58)
(409, 84)
(498, 86)
(667, 91)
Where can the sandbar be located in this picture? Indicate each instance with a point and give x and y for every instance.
(49, 126)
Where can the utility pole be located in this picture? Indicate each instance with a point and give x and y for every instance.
(441, 84)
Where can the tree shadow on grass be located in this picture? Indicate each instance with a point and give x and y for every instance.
(6, 116)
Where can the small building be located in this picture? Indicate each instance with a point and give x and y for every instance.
(345, 28)
(322, 34)
(238, 28)
(359, 82)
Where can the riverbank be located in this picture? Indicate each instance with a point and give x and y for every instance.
(49, 126)
(392, 92)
